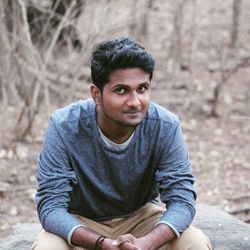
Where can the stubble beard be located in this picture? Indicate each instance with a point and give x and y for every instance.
(121, 123)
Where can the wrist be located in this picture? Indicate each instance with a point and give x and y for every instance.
(147, 243)
(159, 236)
(99, 241)
(106, 243)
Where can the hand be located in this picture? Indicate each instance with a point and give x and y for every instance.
(159, 236)
(107, 245)
(129, 242)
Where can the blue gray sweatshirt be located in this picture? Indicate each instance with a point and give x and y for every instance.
(79, 174)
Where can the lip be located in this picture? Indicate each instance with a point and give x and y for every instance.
(132, 112)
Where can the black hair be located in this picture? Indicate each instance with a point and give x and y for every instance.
(120, 53)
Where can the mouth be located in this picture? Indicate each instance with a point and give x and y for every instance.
(135, 111)
(133, 114)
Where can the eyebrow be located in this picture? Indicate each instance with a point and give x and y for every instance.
(128, 86)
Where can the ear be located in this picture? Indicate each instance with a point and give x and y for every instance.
(96, 94)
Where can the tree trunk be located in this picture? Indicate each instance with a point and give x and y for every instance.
(236, 8)
(175, 47)
(139, 23)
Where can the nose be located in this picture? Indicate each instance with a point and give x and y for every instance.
(134, 99)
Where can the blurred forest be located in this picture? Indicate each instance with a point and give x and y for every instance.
(202, 51)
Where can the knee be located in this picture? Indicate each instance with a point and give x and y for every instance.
(192, 239)
(199, 240)
(49, 241)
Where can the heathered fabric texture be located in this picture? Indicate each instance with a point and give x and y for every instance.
(78, 174)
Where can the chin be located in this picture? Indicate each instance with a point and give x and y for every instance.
(132, 123)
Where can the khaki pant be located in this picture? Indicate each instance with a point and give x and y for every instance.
(138, 224)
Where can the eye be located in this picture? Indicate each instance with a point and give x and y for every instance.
(121, 90)
(142, 89)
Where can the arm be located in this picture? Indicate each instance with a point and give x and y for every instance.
(55, 179)
(159, 236)
(176, 182)
(86, 238)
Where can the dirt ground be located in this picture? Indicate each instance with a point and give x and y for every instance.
(218, 147)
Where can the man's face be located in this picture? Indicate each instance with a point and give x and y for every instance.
(125, 98)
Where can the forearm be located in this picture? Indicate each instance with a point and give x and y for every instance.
(84, 237)
(159, 236)
(179, 216)
(59, 222)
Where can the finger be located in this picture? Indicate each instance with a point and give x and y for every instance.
(125, 238)
(120, 242)
(128, 246)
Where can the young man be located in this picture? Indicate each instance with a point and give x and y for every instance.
(106, 161)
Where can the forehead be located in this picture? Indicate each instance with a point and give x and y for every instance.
(129, 76)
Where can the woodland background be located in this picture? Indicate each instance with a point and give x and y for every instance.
(202, 50)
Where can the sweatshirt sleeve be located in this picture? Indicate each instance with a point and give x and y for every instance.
(55, 179)
(175, 180)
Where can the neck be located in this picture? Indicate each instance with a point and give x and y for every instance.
(118, 138)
